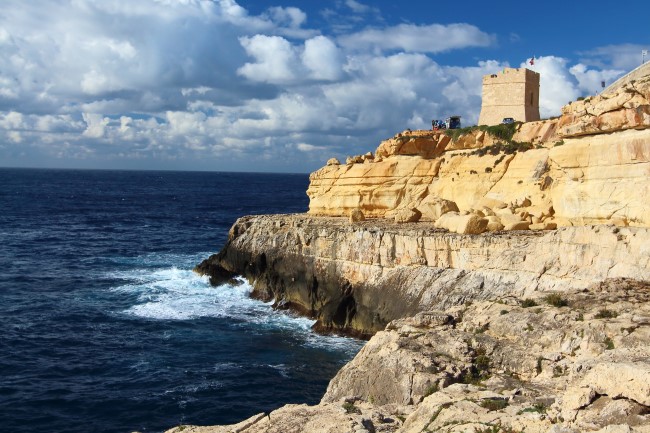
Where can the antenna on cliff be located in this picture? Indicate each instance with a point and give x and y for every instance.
(643, 54)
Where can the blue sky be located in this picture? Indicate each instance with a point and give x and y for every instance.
(282, 86)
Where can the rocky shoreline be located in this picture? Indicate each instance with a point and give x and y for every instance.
(501, 274)
(354, 278)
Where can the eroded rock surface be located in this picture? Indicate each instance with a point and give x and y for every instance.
(355, 278)
(571, 362)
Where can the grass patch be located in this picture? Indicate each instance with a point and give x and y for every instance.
(556, 300)
(350, 407)
(501, 131)
(609, 344)
(536, 408)
(606, 314)
(456, 133)
(497, 428)
(493, 404)
(527, 303)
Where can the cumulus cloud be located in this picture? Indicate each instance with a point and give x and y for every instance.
(204, 82)
(434, 38)
(621, 57)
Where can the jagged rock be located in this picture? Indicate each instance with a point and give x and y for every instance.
(364, 275)
(333, 161)
(407, 216)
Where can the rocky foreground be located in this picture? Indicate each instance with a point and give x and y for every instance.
(574, 362)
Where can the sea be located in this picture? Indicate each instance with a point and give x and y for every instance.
(104, 327)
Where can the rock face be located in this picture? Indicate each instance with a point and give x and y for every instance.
(507, 284)
(591, 165)
(355, 278)
(572, 362)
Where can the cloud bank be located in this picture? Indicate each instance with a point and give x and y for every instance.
(204, 84)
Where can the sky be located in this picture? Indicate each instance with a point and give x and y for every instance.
(279, 85)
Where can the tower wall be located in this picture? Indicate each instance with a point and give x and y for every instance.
(510, 93)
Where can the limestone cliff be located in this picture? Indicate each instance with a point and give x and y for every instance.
(591, 165)
(355, 278)
(505, 277)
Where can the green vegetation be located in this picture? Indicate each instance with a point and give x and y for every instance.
(455, 133)
(556, 300)
(496, 428)
(502, 312)
(609, 344)
(536, 408)
(527, 303)
(502, 131)
(350, 407)
(431, 389)
(480, 369)
(493, 404)
(606, 314)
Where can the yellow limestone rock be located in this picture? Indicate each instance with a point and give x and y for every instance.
(375, 188)
(615, 183)
(433, 207)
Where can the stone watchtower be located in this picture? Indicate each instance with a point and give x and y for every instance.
(513, 92)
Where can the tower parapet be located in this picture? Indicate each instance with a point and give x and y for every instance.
(513, 92)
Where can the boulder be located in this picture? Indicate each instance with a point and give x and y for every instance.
(407, 216)
(470, 224)
(433, 207)
(333, 161)
(356, 215)
(521, 225)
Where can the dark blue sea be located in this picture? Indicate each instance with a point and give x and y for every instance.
(105, 328)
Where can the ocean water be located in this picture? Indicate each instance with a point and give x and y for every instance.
(105, 328)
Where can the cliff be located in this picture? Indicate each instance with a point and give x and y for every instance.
(502, 272)
(590, 166)
(356, 278)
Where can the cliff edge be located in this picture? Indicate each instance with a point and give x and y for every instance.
(502, 275)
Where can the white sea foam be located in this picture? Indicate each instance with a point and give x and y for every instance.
(172, 293)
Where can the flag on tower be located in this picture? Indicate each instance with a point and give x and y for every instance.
(532, 60)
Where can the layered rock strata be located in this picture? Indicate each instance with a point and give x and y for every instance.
(591, 165)
(355, 278)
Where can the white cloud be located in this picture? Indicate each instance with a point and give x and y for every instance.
(434, 38)
(276, 60)
(622, 57)
(96, 125)
(322, 58)
(205, 81)
(590, 80)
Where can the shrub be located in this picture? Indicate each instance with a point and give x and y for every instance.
(556, 300)
(493, 404)
(606, 314)
(537, 407)
(350, 407)
(527, 303)
(496, 428)
(609, 344)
